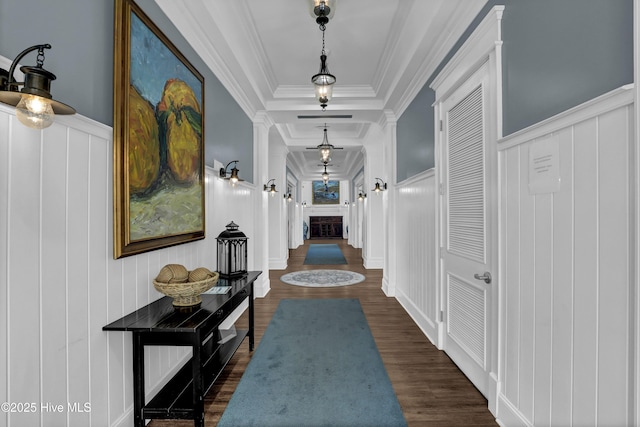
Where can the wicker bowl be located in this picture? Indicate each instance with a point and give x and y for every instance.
(187, 294)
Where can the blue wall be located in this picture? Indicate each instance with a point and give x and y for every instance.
(556, 54)
(81, 35)
(414, 136)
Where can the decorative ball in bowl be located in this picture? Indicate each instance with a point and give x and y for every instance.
(185, 286)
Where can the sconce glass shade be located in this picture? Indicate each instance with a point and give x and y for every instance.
(35, 112)
(34, 104)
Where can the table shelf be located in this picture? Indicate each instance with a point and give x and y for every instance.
(175, 399)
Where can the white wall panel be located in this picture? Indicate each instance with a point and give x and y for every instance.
(567, 269)
(416, 274)
(62, 283)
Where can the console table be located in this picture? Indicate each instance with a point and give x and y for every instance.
(159, 323)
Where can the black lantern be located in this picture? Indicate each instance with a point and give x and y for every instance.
(232, 252)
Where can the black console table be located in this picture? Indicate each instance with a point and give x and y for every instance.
(160, 324)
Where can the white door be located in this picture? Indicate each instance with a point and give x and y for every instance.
(466, 227)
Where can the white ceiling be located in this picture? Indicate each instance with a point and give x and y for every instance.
(265, 52)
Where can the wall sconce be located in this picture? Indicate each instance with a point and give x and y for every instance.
(233, 177)
(288, 197)
(362, 196)
(35, 107)
(346, 203)
(271, 188)
(378, 188)
(304, 204)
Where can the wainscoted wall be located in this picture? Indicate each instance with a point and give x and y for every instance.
(567, 280)
(416, 259)
(60, 283)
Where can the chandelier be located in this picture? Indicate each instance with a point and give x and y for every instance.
(324, 80)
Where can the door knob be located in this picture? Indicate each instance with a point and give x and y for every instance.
(486, 277)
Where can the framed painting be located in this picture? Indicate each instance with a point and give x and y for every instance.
(326, 193)
(158, 132)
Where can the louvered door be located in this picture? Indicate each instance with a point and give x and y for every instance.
(465, 252)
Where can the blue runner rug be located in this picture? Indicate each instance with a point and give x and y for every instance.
(317, 365)
(319, 254)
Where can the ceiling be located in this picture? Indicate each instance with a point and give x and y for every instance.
(264, 52)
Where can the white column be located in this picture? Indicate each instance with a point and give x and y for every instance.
(389, 170)
(261, 125)
(277, 206)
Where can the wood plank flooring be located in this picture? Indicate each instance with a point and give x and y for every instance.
(432, 391)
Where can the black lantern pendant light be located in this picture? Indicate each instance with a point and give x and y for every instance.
(325, 148)
(323, 81)
(325, 175)
(34, 106)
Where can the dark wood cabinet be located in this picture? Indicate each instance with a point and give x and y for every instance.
(160, 324)
(325, 227)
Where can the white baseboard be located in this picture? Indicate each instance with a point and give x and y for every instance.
(508, 415)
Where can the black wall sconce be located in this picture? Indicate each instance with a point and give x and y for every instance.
(35, 107)
(378, 188)
(271, 189)
(233, 176)
(288, 197)
(362, 196)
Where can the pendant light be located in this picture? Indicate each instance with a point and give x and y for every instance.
(325, 148)
(324, 80)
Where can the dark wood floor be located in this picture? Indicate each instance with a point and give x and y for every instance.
(430, 388)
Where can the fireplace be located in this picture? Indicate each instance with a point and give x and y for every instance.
(325, 227)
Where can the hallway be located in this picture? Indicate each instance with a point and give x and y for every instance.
(430, 388)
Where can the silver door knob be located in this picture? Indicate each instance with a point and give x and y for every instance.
(486, 277)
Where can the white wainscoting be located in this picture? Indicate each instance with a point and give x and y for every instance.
(60, 283)
(567, 263)
(416, 259)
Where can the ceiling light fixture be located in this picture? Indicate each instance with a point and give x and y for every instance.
(325, 175)
(323, 81)
(325, 148)
(35, 107)
(233, 177)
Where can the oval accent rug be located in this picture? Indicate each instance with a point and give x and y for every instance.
(322, 278)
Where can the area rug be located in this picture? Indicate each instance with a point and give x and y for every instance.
(322, 278)
(319, 254)
(316, 365)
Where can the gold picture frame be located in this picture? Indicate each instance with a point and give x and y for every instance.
(158, 138)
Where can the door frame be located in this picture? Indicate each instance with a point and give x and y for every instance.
(484, 46)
